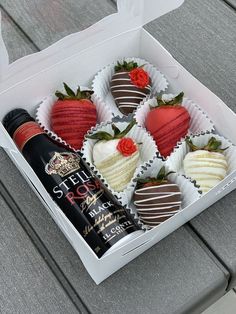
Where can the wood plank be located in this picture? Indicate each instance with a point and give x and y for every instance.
(217, 228)
(48, 21)
(232, 3)
(36, 240)
(27, 285)
(175, 276)
(201, 35)
(18, 45)
(166, 291)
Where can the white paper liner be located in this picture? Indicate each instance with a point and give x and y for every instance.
(175, 160)
(199, 123)
(101, 82)
(148, 151)
(43, 114)
(189, 190)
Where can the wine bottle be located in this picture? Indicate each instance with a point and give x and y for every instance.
(91, 208)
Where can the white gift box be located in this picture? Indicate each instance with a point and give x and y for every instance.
(36, 76)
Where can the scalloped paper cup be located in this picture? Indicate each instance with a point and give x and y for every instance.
(199, 123)
(43, 114)
(189, 190)
(148, 151)
(175, 160)
(101, 82)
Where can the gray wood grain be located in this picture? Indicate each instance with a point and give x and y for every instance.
(205, 43)
(201, 36)
(47, 21)
(27, 284)
(17, 44)
(194, 280)
(232, 3)
(217, 227)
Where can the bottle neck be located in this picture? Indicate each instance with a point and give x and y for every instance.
(26, 132)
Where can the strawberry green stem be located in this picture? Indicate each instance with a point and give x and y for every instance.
(176, 101)
(160, 178)
(71, 95)
(213, 145)
(126, 66)
(117, 133)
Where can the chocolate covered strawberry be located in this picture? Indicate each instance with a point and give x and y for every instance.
(116, 156)
(130, 84)
(168, 122)
(206, 165)
(72, 115)
(157, 198)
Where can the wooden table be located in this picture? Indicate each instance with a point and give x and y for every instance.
(185, 272)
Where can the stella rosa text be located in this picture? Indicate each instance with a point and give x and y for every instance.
(91, 208)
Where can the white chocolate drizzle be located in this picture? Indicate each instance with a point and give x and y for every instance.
(114, 167)
(123, 89)
(206, 168)
(157, 203)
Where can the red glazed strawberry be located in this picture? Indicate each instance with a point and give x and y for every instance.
(73, 115)
(168, 123)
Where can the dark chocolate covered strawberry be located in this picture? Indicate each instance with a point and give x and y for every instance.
(72, 115)
(130, 84)
(168, 122)
(157, 199)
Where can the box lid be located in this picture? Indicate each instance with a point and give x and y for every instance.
(132, 14)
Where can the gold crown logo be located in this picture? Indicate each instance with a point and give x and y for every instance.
(62, 164)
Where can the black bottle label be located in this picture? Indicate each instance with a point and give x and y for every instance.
(91, 208)
(99, 218)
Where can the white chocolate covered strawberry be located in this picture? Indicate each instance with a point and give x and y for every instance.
(206, 165)
(116, 156)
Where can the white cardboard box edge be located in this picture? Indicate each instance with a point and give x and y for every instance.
(100, 269)
(131, 15)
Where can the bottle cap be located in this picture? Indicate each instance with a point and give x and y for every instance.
(15, 118)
